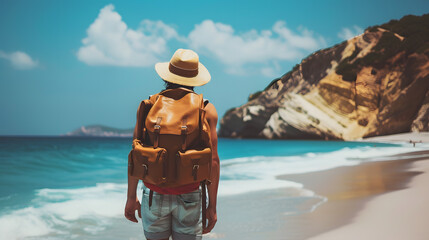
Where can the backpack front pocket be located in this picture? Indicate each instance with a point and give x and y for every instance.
(149, 163)
(193, 165)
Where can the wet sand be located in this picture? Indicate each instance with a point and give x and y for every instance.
(373, 200)
(398, 215)
(349, 190)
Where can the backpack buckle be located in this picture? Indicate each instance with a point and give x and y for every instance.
(184, 130)
(145, 169)
(194, 171)
(157, 127)
(163, 179)
(184, 127)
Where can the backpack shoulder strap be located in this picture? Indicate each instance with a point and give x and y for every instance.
(206, 101)
(153, 98)
(140, 129)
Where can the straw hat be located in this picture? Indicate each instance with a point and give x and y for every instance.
(184, 68)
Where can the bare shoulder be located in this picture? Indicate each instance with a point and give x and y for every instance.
(211, 113)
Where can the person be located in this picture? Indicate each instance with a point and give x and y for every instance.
(176, 211)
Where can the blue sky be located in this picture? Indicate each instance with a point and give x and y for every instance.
(64, 64)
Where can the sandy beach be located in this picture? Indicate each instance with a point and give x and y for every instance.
(400, 211)
(373, 200)
(358, 198)
(418, 137)
(400, 214)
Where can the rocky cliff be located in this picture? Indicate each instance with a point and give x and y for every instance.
(376, 83)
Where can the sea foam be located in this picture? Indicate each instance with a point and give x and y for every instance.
(58, 212)
(245, 174)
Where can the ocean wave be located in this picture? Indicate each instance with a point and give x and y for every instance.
(245, 174)
(58, 212)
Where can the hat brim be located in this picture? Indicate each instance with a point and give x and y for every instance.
(202, 78)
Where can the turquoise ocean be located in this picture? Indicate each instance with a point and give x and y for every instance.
(75, 187)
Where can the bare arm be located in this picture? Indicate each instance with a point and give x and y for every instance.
(132, 187)
(212, 119)
(133, 202)
(137, 135)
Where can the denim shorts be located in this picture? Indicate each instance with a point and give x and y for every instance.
(176, 215)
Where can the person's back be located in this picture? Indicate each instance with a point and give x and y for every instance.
(176, 211)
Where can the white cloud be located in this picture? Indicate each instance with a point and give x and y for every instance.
(109, 41)
(347, 33)
(19, 60)
(236, 50)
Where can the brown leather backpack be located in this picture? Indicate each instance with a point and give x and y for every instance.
(174, 147)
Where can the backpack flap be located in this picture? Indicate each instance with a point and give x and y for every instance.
(205, 138)
(149, 164)
(173, 107)
(194, 165)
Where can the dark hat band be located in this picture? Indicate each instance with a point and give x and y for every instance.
(183, 72)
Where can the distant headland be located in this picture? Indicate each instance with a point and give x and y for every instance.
(100, 131)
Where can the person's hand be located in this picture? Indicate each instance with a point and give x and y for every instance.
(211, 219)
(130, 209)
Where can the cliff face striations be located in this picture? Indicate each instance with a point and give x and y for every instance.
(376, 83)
